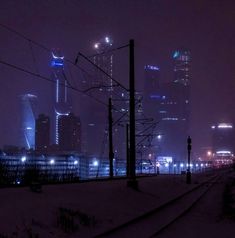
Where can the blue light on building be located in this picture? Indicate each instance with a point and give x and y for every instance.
(28, 112)
(176, 54)
(62, 105)
(151, 67)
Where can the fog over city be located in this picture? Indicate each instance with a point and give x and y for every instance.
(159, 28)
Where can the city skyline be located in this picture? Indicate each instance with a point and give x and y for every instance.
(156, 36)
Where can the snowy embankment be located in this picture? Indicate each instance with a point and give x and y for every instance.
(84, 209)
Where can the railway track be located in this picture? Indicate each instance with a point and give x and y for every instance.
(152, 223)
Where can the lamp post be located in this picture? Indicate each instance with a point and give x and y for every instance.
(188, 174)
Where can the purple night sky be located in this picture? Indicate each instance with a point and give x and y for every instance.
(205, 27)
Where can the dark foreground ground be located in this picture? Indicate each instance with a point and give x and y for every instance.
(87, 209)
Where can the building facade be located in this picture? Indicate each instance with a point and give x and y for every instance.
(42, 133)
(174, 109)
(182, 60)
(104, 60)
(223, 139)
(69, 128)
(151, 90)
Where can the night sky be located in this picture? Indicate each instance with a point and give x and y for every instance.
(205, 27)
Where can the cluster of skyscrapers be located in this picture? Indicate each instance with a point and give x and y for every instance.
(61, 131)
(166, 102)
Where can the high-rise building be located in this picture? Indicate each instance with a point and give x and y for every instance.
(223, 138)
(69, 133)
(28, 110)
(104, 60)
(174, 109)
(151, 90)
(101, 86)
(42, 133)
(182, 59)
(62, 105)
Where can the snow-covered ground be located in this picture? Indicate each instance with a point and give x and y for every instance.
(97, 205)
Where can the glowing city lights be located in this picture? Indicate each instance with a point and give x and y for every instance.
(107, 40)
(225, 125)
(52, 161)
(23, 159)
(57, 57)
(152, 67)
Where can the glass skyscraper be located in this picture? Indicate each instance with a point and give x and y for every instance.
(173, 106)
(62, 105)
(28, 115)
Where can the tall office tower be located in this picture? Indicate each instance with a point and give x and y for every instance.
(104, 60)
(151, 90)
(62, 105)
(223, 139)
(42, 133)
(28, 106)
(174, 109)
(182, 59)
(69, 133)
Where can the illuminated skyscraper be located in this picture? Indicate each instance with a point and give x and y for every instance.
(223, 139)
(104, 60)
(28, 106)
(151, 90)
(61, 105)
(174, 108)
(182, 59)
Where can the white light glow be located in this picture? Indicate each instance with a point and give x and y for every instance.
(96, 45)
(52, 161)
(223, 152)
(107, 40)
(61, 114)
(181, 165)
(57, 57)
(23, 159)
(75, 162)
(159, 137)
(225, 125)
(95, 163)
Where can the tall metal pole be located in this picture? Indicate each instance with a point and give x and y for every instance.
(133, 181)
(111, 154)
(127, 152)
(188, 174)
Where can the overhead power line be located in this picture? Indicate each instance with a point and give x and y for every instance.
(47, 79)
